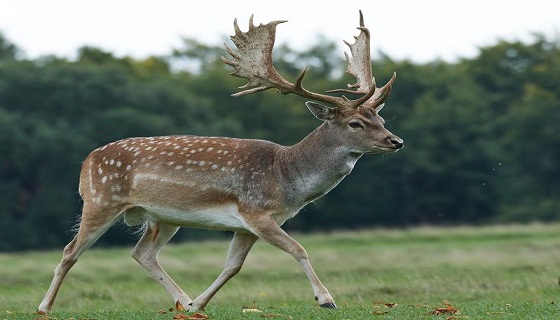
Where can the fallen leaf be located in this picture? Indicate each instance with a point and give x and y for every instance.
(446, 310)
(386, 304)
(196, 316)
(383, 305)
(179, 306)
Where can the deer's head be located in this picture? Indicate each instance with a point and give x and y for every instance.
(354, 122)
(361, 129)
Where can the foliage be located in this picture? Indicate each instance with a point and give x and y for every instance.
(480, 134)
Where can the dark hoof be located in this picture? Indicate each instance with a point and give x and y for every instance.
(329, 305)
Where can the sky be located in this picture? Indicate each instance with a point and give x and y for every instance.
(419, 30)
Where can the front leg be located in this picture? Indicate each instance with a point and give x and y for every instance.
(266, 228)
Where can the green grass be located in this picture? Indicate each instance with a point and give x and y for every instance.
(496, 272)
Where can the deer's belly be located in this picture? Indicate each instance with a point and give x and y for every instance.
(224, 217)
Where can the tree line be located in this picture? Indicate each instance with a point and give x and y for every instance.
(481, 141)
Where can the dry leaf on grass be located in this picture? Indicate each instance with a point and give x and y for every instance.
(381, 307)
(386, 304)
(448, 309)
(196, 316)
(179, 306)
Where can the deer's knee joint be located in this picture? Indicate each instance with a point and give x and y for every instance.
(300, 254)
(231, 271)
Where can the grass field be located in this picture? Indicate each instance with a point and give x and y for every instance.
(495, 272)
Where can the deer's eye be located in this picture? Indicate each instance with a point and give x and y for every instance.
(355, 124)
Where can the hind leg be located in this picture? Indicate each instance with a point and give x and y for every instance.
(90, 230)
(146, 252)
(240, 246)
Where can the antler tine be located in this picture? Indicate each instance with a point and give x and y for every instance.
(381, 94)
(359, 65)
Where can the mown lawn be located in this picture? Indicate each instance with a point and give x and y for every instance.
(494, 272)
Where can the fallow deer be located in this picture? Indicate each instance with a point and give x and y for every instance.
(250, 187)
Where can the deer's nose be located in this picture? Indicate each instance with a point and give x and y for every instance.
(397, 142)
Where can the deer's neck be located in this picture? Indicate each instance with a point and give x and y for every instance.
(315, 165)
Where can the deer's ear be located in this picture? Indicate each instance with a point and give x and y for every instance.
(320, 111)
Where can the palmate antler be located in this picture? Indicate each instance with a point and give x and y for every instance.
(253, 61)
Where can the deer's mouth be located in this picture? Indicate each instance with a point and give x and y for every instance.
(384, 149)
